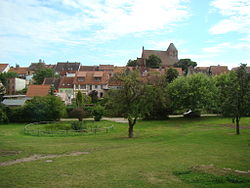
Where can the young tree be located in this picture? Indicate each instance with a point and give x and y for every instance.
(171, 74)
(128, 100)
(185, 64)
(153, 61)
(79, 99)
(42, 73)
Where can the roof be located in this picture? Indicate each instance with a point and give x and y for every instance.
(35, 66)
(67, 66)
(20, 70)
(66, 82)
(81, 74)
(91, 76)
(216, 70)
(119, 69)
(106, 67)
(38, 90)
(236, 68)
(88, 68)
(14, 102)
(171, 47)
(52, 81)
(3, 67)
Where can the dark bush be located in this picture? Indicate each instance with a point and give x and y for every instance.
(77, 125)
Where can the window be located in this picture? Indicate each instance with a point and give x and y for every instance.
(97, 79)
(80, 79)
(82, 86)
(96, 86)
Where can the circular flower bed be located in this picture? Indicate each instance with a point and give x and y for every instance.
(47, 128)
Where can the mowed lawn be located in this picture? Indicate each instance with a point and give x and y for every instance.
(159, 149)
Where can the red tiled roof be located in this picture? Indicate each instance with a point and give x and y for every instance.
(38, 90)
(3, 66)
(88, 68)
(216, 70)
(91, 76)
(67, 82)
(20, 70)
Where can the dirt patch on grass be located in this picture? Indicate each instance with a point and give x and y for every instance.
(39, 157)
(4, 153)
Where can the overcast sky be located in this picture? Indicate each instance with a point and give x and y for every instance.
(113, 31)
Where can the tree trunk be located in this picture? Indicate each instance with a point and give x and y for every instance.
(131, 124)
(131, 131)
(237, 125)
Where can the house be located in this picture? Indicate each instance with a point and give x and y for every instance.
(236, 68)
(4, 68)
(54, 82)
(87, 82)
(88, 68)
(204, 70)
(14, 85)
(38, 90)
(62, 68)
(22, 72)
(34, 66)
(217, 70)
(168, 57)
(66, 89)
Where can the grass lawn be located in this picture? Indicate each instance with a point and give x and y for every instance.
(161, 155)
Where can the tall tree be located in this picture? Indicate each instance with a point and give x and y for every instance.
(153, 61)
(79, 99)
(42, 73)
(129, 100)
(185, 64)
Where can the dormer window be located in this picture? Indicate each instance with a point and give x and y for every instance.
(80, 79)
(97, 79)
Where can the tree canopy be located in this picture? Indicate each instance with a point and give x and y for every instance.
(185, 64)
(153, 61)
(132, 63)
(42, 73)
(171, 74)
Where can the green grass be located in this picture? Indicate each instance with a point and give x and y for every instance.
(159, 149)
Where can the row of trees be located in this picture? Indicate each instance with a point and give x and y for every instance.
(228, 94)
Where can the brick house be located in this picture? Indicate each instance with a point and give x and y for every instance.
(64, 68)
(14, 85)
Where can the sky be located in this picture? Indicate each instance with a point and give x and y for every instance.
(93, 32)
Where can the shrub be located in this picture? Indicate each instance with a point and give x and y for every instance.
(78, 113)
(77, 125)
(98, 112)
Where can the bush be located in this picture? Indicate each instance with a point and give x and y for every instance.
(98, 112)
(78, 113)
(77, 125)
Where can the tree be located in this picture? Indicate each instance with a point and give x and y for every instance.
(185, 64)
(93, 95)
(79, 99)
(195, 92)
(129, 100)
(5, 76)
(171, 74)
(46, 108)
(132, 63)
(78, 113)
(42, 73)
(234, 89)
(153, 61)
(98, 112)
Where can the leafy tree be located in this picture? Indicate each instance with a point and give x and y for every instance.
(185, 64)
(78, 113)
(5, 76)
(42, 73)
(93, 95)
(44, 108)
(2, 91)
(3, 116)
(195, 92)
(132, 63)
(234, 90)
(129, 100)
(98, 112)
(153, 61)
(171, 74)
(79, 99)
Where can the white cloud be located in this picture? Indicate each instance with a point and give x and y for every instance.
(236, 13)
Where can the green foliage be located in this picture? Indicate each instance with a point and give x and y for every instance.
(42, 73)
(153, 61)
(44, 109)
(3, 116)
(195, 92)
(94, 97)
(4, 77)
(98, 112)
(171, 74)
(132, 63)
(77, 125)
(184, 64)
(79, 99)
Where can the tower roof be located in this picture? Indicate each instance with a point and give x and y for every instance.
(171, 47)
